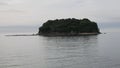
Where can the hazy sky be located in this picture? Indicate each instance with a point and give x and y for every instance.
(31, 12)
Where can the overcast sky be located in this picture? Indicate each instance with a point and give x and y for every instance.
(32, 12)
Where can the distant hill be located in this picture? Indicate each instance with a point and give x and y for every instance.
(70, 26)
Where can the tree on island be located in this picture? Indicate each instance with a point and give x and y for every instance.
(70, 26)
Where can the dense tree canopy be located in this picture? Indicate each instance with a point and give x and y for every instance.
(70, 25)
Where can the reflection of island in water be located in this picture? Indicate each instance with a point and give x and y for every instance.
(69, 27)
(71, 52)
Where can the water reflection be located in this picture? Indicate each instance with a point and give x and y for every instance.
(60, 52)
(71, 52)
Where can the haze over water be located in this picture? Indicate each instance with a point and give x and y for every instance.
(96, 51)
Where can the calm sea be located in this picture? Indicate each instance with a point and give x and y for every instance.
(97, 51)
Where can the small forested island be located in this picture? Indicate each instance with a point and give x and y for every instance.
(69, 27)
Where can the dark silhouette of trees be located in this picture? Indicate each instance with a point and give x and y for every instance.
(70, 25)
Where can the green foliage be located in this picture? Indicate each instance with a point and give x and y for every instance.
(69, 26)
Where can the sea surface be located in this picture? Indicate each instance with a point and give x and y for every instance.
(96, 51)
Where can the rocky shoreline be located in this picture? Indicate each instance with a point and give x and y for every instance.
(56, 34)
(67, 34)
(23, 35)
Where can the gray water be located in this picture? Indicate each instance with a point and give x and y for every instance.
(97, 51)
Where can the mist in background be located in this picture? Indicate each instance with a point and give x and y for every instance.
(26, 15)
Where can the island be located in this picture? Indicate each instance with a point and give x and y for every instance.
(69, 27)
